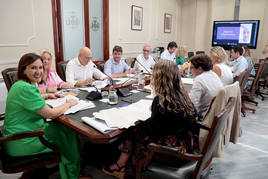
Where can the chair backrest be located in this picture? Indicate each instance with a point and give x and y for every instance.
(62, 66)
(265, 70)
(242, 78)
(99, 64)
(8, 75)
(257, 76)
(213, 136)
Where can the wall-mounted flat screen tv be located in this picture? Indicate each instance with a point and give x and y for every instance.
(230, 33)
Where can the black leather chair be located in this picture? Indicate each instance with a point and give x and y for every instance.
(8, 75)
(28, 163)
(100, 64)
(62, 66)
(196, 165)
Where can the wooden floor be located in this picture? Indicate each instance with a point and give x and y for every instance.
(248, 159)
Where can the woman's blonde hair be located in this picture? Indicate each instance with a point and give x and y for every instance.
(167, 85)
(220, 54)
(181, 51)
(247, 52)
(42, 52)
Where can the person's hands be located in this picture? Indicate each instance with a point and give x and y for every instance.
(54, 96)
(126, 72)
(89, 81)
(66, 85)
(52, 89)
(71, 102)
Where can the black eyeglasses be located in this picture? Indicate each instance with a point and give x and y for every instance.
(146, 50)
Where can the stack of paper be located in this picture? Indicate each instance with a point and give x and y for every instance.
(98, 124)
(88, 89)
(126, 116)
(81, 105)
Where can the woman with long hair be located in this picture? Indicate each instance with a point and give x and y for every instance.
(220, 63)
(170, 122)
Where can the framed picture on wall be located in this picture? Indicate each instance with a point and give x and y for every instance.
(136, 17)
(167, 23)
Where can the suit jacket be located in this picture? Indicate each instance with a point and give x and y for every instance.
(232, 129)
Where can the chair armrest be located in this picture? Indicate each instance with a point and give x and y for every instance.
(201, 125)
(176, 152)
(252, 76)
(22, 135)
(29, 134)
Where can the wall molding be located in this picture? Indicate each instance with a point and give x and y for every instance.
(27, 43)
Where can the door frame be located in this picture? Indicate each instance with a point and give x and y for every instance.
(57, 29)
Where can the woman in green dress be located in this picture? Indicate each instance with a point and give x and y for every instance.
(26, 110)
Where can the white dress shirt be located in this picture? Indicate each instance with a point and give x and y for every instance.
(168, 56)
(239, 65)
(205, 87)
(143, 64)
(76, 72)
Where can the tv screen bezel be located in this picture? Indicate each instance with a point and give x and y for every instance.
(227, 47)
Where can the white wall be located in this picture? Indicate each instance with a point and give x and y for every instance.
(26, 26)
(256, 10)
(153, 24)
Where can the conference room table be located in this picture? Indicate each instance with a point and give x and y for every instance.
(74, 122)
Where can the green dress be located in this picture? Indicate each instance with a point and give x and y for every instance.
(180, 60)
(23, 103)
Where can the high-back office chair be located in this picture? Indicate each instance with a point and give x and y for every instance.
(99, 64)
(196, 165)
(27, 163)
(8, 75)
(62, 66)
(248, 95)
(243, 79)
(263, 82)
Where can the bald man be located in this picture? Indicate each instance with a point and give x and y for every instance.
(82, 71)
(145, 60)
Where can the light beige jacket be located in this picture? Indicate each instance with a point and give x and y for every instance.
(232, 129)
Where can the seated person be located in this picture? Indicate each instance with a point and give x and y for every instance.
(206, 83)
(116, 67)
(26, 110)
(82, 71)
(181, 53)
(220, 65)
(51, 80)
(239, 64)
(170, 122)
(169, 54)
(145, 60)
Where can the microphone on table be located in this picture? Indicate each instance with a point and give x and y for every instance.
(143, 67)
(124, 91)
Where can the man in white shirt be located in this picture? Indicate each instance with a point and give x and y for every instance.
(144, 61)
(240, 64)
(169, 53)
(82, 71)
(206, 83)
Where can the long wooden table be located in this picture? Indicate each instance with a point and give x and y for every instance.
(74, 122)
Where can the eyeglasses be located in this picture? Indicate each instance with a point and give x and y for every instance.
(146, 50)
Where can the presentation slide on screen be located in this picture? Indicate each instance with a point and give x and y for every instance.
(240, 33)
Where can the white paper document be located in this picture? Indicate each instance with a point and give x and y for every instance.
(189, 81)
(88, 89)
(125, 117)
(98, 124)
(81, 105)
